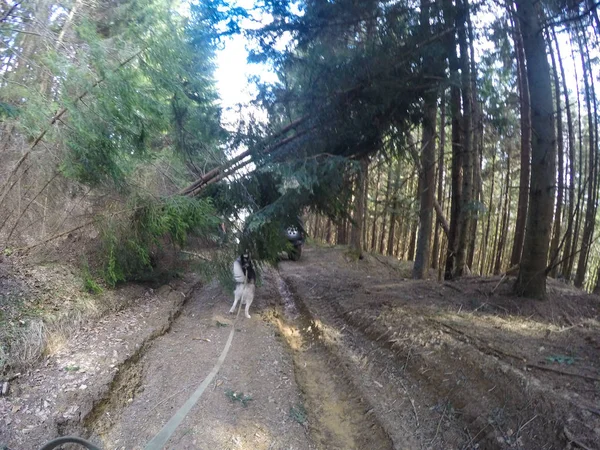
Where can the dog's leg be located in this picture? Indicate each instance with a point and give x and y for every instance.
(249, 298)
(239, 290)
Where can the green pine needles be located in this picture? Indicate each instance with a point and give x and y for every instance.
(131, 243)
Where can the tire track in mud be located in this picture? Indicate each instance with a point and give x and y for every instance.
(339, 417)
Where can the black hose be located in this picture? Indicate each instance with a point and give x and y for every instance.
(55, 443)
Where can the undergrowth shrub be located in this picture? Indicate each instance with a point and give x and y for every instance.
(131, 243)
(90, 285)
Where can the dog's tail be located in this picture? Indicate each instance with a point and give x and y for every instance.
(238, 272)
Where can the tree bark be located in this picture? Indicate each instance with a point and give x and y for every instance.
(356, 233)
(524, 177)
(375, 210)
(580, 170)
(505, 215)
(427, 169)
(467, 159)
(456, 167)
(531, 281)
(393, 215)
(590, 210)
(554, 244)
(477, 144)
(496, 234)
(486, 235)
(440, 180)
(571, 134)
(386, 204)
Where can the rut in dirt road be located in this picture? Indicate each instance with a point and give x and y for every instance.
(339, 418)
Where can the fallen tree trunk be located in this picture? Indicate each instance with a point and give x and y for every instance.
(236, 163)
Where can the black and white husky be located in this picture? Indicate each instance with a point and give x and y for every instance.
(245, 278)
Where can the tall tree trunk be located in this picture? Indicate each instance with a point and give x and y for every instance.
(412, 240)
(580, 170)
(456, 167)
(489, 218)
(571, 135)
(342, 235)
(467, 143)
(590, 210)
(391, 235)
(435, 254)
(375, 210)
(341, 238)
(403, 236)
(496, 234)
(554, 244)
(386, 205)
(525, 110)
(356, 232)
(393, 215)
(531, 281)
(477, 144)
(503, 232)
(314, 230)
(477, 183)
(427, 169)
(365, 205)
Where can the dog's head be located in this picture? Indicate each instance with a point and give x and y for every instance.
(245, 260)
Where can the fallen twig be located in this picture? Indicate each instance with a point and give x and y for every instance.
(412, 402)
(574, 441)
(498, 285)
(437, 430)
(525, 424)
(14, 377)
(514, 270)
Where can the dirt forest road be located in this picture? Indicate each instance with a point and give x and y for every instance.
(279, 388)
(338, 354)
(258, 370)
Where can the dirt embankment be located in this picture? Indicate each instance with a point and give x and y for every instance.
(338, 355)
(91, 370)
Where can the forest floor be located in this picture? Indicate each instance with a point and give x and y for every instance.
(338, 354)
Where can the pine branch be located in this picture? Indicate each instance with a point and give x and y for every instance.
(554, 23)
(32, 33)
(53, 120)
